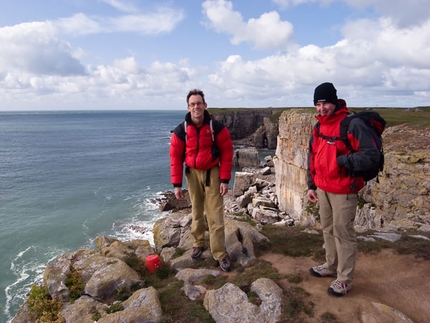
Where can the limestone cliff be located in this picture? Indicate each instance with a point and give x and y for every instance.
(251, 127)
(400, 197)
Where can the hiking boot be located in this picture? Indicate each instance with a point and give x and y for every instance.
(321, 271)
(197, 252)
(337, 288)
(225, 263)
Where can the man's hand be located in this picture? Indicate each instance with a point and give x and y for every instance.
(223, 189)
(312, 196)
(179, 194)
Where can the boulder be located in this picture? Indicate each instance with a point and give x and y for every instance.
(242, 181)
(230, 304)
(246, 157)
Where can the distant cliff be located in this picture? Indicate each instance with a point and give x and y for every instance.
(257, 127)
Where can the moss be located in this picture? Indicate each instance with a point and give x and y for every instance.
(293, 242)
(122, 295)
(296, 302)
(328, 317)
(115, 307)
(178, 252)
(295, 279)
(95, 316)
(256, 269)
(135, 263)
(254, 299)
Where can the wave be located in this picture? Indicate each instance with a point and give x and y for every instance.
(28, 267)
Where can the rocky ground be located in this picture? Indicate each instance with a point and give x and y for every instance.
(383, 282)
(406, 138)
(387, 287)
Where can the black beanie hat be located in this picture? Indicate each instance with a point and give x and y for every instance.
(325, 92)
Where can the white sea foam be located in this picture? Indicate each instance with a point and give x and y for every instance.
(134, 230)
(28, 267)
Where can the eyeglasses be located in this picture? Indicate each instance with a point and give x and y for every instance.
(192, 105)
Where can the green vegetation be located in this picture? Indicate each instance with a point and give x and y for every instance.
(293, 242)
(256, 268)
(178, 308)
(96, 316)
(75, 284)
(406, 245)
(134, 262)
(115, 307)
(42, 307)
(328, 317)
(418, 117)
(296, 303)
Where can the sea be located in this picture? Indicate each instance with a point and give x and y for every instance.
(68, 177)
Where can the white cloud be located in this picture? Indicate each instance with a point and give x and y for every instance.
(387, 61)
(40, 47)
(121, 5)
(36, 48)
(163, 21)
(265, 32)
(378, 58)
(148, 23)
(287, 3)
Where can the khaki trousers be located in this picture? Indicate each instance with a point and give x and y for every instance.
(337, 212)
(207, 198)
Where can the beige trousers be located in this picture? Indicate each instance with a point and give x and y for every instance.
(207, 198)
(337, 212)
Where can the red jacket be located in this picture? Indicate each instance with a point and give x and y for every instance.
(330, 161)
(200, 151)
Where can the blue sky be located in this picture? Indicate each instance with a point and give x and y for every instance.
(145, 54)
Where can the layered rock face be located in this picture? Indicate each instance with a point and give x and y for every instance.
(398, 199)
(253, 127)
(291, 160)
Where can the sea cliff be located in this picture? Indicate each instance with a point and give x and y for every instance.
(111, 284)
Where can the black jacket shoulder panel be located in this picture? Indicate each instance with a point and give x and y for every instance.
(179, 131)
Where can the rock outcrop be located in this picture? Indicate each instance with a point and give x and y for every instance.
(399, 198)
(251, 127)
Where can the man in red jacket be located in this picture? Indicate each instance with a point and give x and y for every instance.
(330, 165)
(204, 144)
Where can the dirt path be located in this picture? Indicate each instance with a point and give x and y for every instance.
(399, 282)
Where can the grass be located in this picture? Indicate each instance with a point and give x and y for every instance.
(293, 242)
(407, 245)
(417, 118)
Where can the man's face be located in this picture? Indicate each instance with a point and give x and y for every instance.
(196, 106)
(325, 108)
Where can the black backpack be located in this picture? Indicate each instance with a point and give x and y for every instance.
(376, 125)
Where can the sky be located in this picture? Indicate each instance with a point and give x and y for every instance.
(147, 54)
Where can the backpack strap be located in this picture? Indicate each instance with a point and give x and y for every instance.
(344, 125)
(319, 134)
(185, 125)
(212, 130)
